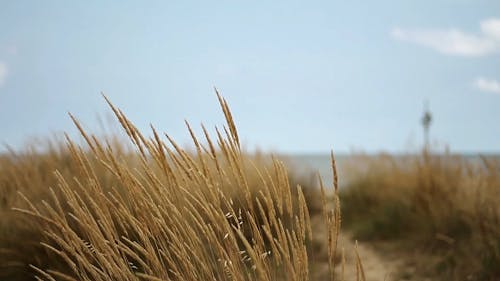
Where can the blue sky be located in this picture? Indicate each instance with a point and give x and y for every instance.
(300, 76)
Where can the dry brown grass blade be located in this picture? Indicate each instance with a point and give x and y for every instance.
(359, 265)
(157, 211)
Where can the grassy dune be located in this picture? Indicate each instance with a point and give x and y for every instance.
(151, 210)
(144, 208)
(442, 211)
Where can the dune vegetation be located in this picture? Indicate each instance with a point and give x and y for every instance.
(148, 209)
(440, 211)
(140, 207)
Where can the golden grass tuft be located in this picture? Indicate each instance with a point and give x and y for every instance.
(155, 211)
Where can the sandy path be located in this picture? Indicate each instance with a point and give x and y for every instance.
(377, 265)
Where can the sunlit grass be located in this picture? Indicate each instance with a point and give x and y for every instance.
(151, 210)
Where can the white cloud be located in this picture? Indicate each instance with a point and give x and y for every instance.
(3, 73)
(454, 41)
(487, 85)
(491, 28)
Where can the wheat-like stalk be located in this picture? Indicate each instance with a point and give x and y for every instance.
(155, 211)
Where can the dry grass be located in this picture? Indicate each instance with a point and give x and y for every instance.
(155, 211)
(444, 207)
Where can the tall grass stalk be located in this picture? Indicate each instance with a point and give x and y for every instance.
(155, 211)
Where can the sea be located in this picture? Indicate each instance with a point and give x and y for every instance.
(310, 166)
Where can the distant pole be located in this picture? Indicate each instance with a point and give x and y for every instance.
(426, 123)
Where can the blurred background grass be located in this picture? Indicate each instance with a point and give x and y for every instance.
(443, 209)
